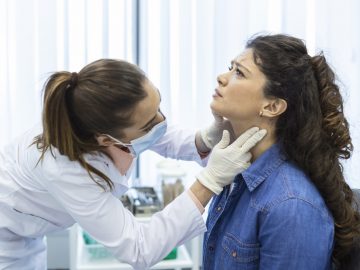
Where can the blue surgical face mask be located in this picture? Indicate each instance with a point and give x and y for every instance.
(139, 145)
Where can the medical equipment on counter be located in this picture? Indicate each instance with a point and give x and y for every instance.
(141, 201)
(170, 175)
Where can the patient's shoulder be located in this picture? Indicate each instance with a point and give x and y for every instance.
(288, 181)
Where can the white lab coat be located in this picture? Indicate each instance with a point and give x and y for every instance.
(36, 200)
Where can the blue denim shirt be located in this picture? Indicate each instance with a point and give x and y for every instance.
(274, 218)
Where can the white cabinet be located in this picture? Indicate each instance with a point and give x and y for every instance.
(81, 259)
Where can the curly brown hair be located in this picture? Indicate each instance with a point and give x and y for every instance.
(313, 130)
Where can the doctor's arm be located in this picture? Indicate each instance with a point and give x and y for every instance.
(178, 144)
(141, 245)
(195, 146)
(104, 217)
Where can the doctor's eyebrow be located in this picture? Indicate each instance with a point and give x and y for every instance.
(152, 119)
(149, 123)
(233, 62)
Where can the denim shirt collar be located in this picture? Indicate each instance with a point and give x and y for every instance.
(263, 166)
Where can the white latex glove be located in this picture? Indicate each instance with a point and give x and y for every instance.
(212, 134)
(226, 161)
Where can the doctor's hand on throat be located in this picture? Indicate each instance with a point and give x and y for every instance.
(208, 137)
(226, 161)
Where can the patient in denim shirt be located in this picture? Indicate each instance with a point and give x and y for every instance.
(272, 217)
(280, 212)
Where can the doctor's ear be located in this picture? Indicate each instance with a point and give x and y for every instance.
(273, 107)
(103, 140)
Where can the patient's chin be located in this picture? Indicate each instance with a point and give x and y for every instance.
(216, 108)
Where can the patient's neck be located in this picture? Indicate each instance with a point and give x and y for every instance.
(261, 146)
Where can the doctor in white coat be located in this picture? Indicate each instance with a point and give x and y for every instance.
(75, 165)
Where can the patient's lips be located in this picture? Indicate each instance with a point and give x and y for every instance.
(217, 93)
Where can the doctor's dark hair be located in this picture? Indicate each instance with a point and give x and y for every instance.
(100, 99)
(313, 129)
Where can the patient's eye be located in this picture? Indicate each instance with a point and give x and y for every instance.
(239, 73)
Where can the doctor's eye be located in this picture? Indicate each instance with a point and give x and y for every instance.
(148, 129)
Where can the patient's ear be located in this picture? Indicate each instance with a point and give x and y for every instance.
(274, 107)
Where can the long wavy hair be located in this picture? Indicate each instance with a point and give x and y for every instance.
(77, 107)
(313, 129)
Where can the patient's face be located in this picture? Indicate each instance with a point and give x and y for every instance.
(240, 91)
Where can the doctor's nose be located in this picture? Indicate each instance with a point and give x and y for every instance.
(221, 79)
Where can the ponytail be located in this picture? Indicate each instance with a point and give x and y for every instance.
(58, 129)
(336, 134)
(336, 127)
(56, 118)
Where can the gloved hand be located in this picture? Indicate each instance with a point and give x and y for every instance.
(226, 161)
(212, 134)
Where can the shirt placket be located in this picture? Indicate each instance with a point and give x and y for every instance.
(217, 212)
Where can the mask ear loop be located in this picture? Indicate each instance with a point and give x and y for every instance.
(122, 146)
(118, 142)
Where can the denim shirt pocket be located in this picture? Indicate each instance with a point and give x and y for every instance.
(238, 254)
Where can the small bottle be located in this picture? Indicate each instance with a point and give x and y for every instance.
(170, 175)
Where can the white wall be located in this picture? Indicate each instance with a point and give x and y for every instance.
(186, 44)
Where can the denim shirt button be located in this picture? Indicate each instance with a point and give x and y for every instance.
(211, 248)
(219, 209)
(234, 254)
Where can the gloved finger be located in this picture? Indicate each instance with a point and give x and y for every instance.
(246, 157)
(224, 140)
(218, 118)
(246, 165)
(228, 126)
(253, 140)
(245, 136)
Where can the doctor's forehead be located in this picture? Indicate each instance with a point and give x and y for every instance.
(150, 85)
(147, 108)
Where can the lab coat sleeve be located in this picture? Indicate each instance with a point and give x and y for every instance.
(104, 217)
(179, 144)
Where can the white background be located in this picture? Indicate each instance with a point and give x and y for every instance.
(184, 45)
